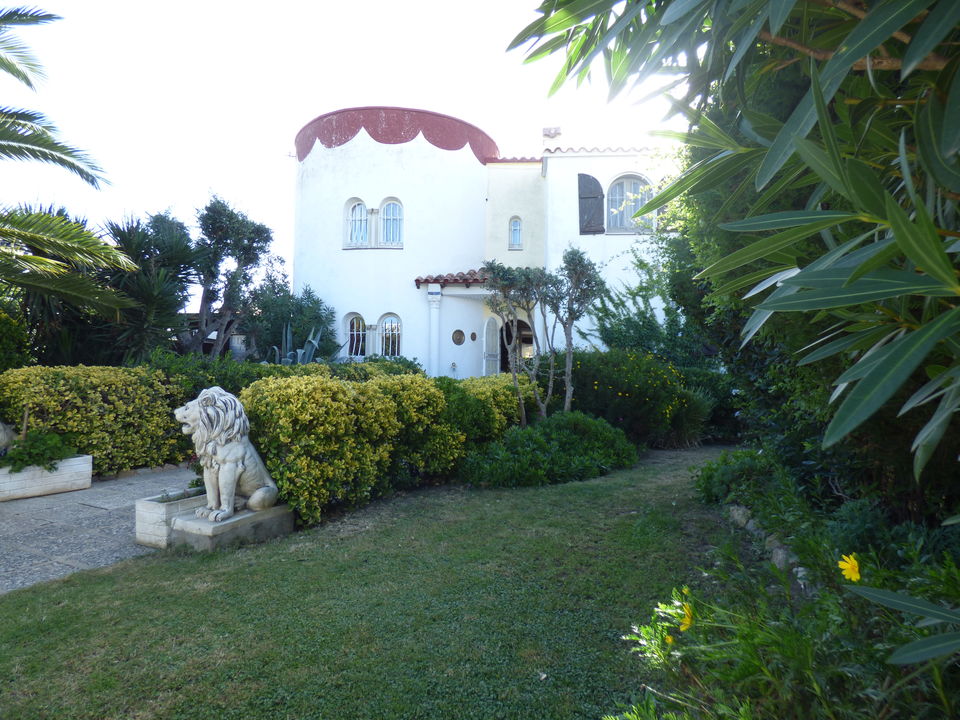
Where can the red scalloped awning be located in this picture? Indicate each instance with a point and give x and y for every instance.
(391, 126)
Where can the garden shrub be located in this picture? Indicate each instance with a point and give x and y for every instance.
(482, 408)
(14, 343)
(689, 418)
(374, 366)
(562, 448)
(730, 477)
(631, 390)
(325, 441)
(723, 423)
(425, 446)
(120, 416)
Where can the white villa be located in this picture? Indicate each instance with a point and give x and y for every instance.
(397, 209)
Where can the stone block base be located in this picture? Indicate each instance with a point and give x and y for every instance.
(245, 526)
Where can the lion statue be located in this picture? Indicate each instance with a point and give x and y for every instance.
(233, 473)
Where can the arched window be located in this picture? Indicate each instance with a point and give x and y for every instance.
(356, 336)
(627, 195)
(391, 224)
(390, 336)
(357, 230)
(516, 234)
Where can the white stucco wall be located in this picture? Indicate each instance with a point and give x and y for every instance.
(611, 251)
(515, 189)
(443, 194)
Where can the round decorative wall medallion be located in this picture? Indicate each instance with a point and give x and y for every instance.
(458, 337)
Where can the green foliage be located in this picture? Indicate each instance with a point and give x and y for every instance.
(231, 247)
(192, 373)
(864, 167)
(689, 420)
(723, 423)
(325, 441)
(562, 448)
(424, 448)
(374, 366)
(120, 416)
(724, 479)
(276, 312)
(39, 449)
(40, 252)
(627, 319)
(14, 343)
(633, 391)
(482, 408)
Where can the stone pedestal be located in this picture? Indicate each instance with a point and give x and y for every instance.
(245, 526)
(72, 473)
(155, 516)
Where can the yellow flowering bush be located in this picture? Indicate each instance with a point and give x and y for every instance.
(121, 416)
(325, 441)
(632, 390)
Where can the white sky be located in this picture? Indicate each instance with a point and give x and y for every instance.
(182, 99)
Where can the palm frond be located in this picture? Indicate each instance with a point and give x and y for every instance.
(15, 58)
(26, 135)
(60, 237)
(74, 288)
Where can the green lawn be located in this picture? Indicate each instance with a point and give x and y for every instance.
(442, 603)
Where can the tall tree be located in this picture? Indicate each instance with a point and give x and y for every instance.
(233, 247)
(41, 252)
(574, 289)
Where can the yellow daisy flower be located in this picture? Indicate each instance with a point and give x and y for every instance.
(687, 617)
(850, 567)
(669, 639)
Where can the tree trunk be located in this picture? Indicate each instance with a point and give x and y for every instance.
(568, 367)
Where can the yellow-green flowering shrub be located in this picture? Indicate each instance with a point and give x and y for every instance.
(325, 441)
(425, 447)
(121, 416)
(632, 390)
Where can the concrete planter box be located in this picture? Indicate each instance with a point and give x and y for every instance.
(155, 518)
(72, 473)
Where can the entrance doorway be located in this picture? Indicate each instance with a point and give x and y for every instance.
(524, 346)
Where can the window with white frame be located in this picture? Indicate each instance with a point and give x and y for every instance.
(391, 224)
(373, 227)
(390, 336)
(626, 195)
(516, 234)
(357, 225)
(356, 336)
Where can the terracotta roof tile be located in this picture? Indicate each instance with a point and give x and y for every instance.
(468, 278)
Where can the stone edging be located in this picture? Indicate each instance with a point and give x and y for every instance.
(780, 554)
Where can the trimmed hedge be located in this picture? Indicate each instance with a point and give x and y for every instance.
(120, 416)
(562, 448)
(482, 408)
(425, 447)
(325, 441)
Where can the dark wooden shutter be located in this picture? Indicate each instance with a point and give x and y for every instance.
(592, 209)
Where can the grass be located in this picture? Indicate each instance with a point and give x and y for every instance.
(442, 603)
